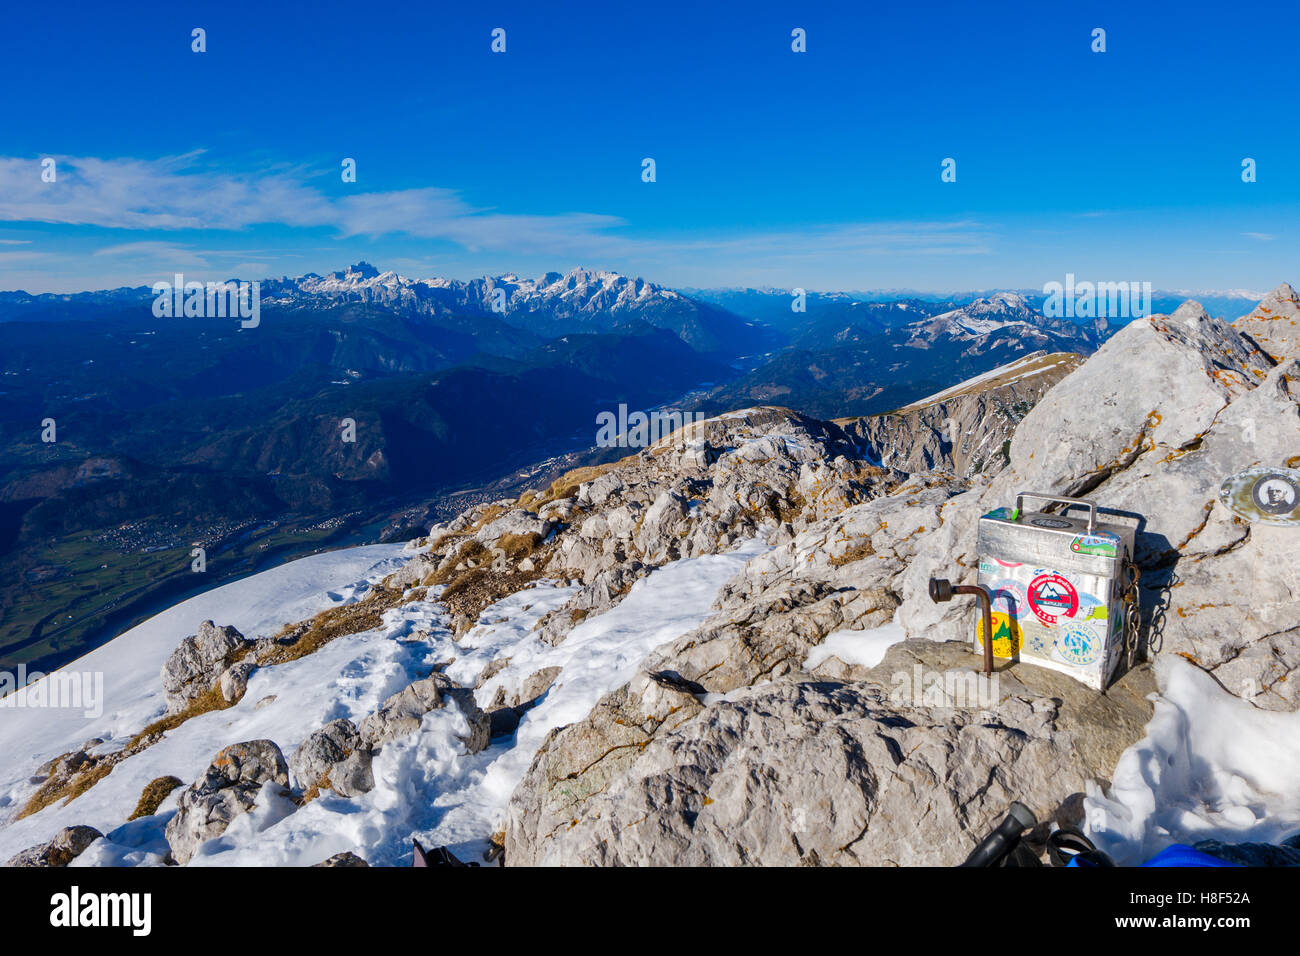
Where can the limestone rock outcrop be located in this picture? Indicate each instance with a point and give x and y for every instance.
(200, 661)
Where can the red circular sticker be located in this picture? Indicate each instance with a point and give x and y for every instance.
(1051, 597)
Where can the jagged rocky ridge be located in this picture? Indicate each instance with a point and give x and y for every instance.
(704, 489)
(1274, 324)
(966, 429)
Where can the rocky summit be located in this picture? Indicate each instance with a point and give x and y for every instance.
(722, 648)
(729, 747)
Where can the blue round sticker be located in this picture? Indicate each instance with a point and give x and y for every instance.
(1078, 645)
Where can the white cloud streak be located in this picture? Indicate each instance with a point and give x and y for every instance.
(179, 193)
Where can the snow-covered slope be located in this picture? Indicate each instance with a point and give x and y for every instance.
(425, 786)
(133, 696)
(256, 605)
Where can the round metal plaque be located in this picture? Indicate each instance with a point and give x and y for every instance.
(1264, 495)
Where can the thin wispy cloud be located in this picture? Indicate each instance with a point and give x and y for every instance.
(180, 195)
(128, 250)
(962, 237)
(163, 194)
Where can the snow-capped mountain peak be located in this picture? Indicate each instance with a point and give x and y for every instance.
(979, 317)
(581, 289)
(1004, 321)
(553, 304)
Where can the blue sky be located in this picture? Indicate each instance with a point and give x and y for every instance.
(819, 169)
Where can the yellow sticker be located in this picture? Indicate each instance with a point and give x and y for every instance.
(1007, 637)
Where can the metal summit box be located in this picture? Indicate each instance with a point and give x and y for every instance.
(1061, 588)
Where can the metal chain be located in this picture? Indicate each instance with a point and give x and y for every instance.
(1132, 612)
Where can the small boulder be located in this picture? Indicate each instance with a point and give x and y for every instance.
(353, 775)
(227, 789)
(516, 523)
(598, 491)
(334, 757)
(537, 684)
(68, 844)
(657, 535)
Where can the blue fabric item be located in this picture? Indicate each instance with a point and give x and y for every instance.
(1253, 854)
(1182, 855)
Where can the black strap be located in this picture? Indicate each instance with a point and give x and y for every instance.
(1065, 843)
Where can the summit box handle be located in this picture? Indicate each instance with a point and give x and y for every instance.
(1085, 502)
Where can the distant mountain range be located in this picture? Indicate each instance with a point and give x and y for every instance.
(552, 305)
(860, 371)
(826, 317)
(772, 306)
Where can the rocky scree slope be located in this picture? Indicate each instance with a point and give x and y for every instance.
(704, 489)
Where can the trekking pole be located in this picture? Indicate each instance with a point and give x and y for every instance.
(999, 844)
